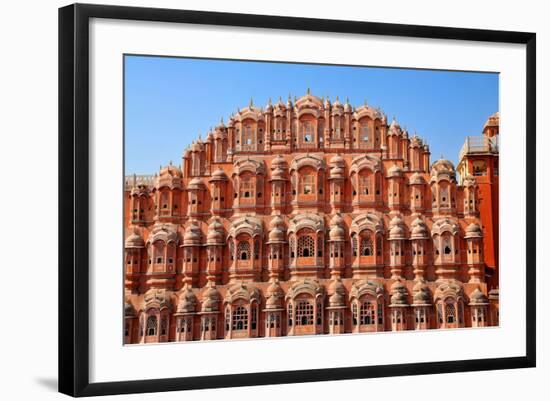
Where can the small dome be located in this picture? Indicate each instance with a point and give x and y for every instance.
(197, 146)
(192, 235)
(276, 235)
(478, 298)
(134, 241)
(279, 161)
(443, 165)
(278, 174)
(170, 170)
(395, 171)
(196, 183)
(338, 293)
(417, 179)
(187, 300)
(421, 294)
(395, 127)
(210, 299)
(337, 172)
(219, 175)
(337, 160)
(337, 234)
(276, 221)
(473, 231)
(347, 107)
(398, 294)
(215, 233)
(275, 289)
(419, 229)
(397, 230)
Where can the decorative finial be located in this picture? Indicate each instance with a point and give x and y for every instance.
(280, 99)
(308, 91)
(170, 162)
(251, 103)
(347, 100)
(366, 104)
(221, 120)
(337, 98)
(269, 102)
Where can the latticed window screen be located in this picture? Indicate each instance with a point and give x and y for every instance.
(227, 318)
(366, 247)
(364, 185)
(240, 318)
(307, 182)
(163, 326)
(289, 313)
(450, 313)
(254, 318)
(460, 313)
(305, 246)
(367, 313)
(304, 313)
(440, 313)
(354, 313)
(364, 133)
(243, 250)
(248, 135)
(354, 245)
(231, 249)
(320, 246)
(380, 313)
(247, 188)
(307, 131)
(152, 326)
(292, 247)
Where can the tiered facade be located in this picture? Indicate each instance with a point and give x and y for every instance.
(306, 217)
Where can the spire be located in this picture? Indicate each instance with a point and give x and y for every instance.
(251, 104)
(308, 91)
(221, 120)
(269, 102)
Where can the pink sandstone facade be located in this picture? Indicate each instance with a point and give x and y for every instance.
(311, 217)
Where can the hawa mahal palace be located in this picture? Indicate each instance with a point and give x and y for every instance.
(311, 217)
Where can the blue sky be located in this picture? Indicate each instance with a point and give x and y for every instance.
(170, 101)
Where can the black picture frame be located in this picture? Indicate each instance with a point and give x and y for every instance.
(74, 198)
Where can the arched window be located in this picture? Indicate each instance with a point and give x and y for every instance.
(367, 313)
(307, 184)
(305, 246)
(450, 313)
(243, 250)
(307, 132)
(240, 318)
(151, 326)
(364, 185)
(304, 313)
(366, 247)
(163, 326)
(246, 187)
(248, 135)
(364, 132)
